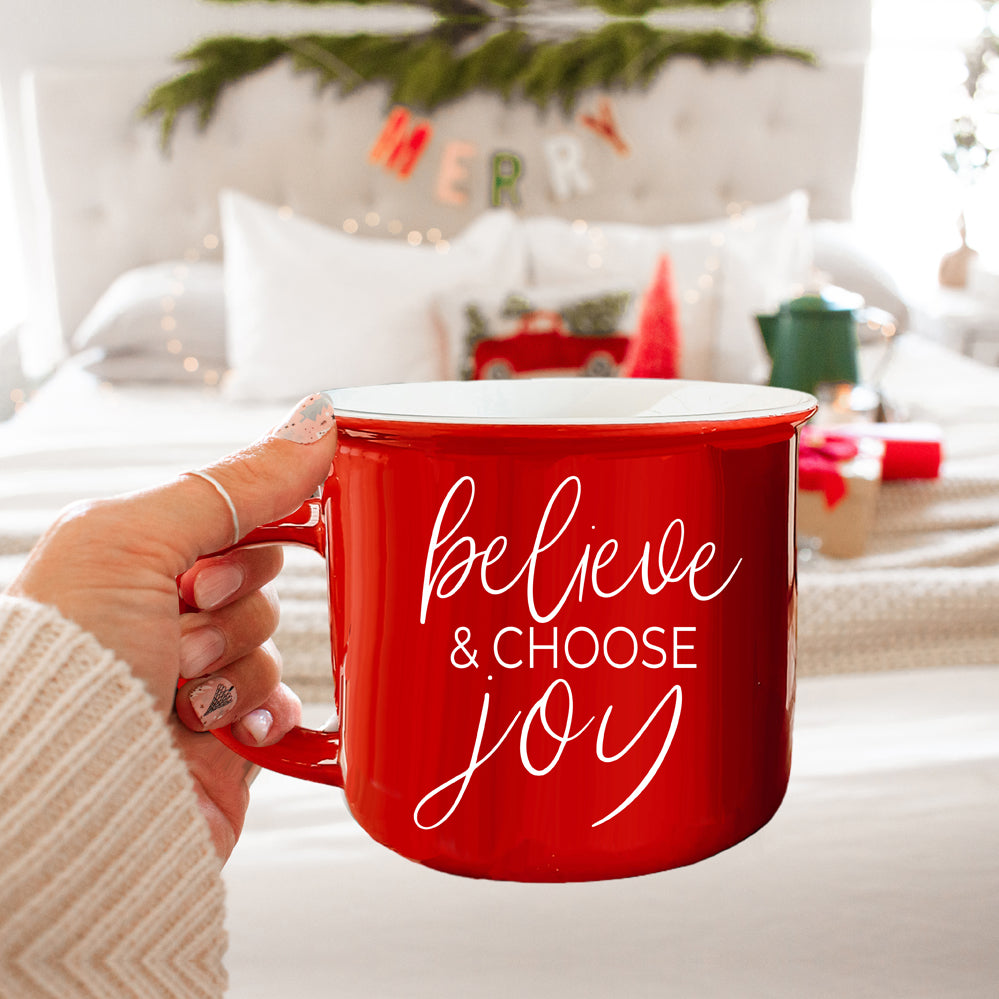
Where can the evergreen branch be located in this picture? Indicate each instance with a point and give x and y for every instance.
(640, 8)
(219, 62)
(425, 71)
(622, 8)
(443, 8)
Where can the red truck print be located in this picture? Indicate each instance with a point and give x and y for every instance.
(540, 343)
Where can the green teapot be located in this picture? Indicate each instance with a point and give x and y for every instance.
(813, 339)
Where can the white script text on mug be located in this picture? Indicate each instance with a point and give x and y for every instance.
(445, 576)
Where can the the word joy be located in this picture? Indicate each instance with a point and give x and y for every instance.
(452, 557)
(557, 725)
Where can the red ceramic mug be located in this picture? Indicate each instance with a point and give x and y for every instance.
(563, 621)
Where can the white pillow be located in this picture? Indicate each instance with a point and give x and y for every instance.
(725, 271)
(311, 308)
(768, 258)
(844, 259)
(153, 318)
(563, 252)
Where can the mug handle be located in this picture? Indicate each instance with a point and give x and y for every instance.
(307, 753)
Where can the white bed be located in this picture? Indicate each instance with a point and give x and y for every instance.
(876, 878)
(879, 875)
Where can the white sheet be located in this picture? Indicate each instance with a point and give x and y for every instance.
(877, 879)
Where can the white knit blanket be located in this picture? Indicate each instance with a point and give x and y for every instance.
(925, 593)
(926, 590)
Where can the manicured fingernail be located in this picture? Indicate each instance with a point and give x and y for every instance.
(311, 420)
(258, 723)
(216, 584)
(199, 649)
(212, 700)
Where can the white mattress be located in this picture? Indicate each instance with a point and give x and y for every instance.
(878, 877)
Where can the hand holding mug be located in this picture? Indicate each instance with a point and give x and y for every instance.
(113, 567)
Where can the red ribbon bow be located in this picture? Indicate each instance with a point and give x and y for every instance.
(819, 459)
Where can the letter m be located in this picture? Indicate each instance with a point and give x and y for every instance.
(401, 142)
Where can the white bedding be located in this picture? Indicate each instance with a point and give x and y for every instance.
(878, 878)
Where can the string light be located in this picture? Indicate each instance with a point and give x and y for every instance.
(395, 227)
(434, 235)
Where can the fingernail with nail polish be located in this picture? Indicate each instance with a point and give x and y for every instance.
(258, 723)
(212, 700)
(199, 649)
(311, 420)
(216, 583)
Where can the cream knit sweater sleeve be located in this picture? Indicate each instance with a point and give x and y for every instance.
(109, 882)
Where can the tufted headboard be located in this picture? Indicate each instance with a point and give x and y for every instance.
(108, 198)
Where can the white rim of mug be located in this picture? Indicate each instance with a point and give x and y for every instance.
(348, 404)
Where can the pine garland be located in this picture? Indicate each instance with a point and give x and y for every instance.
(620, 8)
(427, 70)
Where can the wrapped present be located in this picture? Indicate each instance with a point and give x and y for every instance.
(839, 477)
(912, 450)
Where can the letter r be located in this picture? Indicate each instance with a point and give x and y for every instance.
(564, 154)
(507, 169)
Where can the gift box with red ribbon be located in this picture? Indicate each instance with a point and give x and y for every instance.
(839, 477)
(912, 450)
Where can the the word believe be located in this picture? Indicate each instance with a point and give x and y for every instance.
(450, 563)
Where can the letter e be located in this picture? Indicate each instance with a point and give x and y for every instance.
(453, 172)
(676, 649)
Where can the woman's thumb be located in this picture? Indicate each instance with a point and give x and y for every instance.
(213, 507)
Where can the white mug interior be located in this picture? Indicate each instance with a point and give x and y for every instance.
(570, 401)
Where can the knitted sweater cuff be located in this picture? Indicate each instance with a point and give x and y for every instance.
(110, 881)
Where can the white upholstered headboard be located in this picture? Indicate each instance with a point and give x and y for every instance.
(108, 198)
